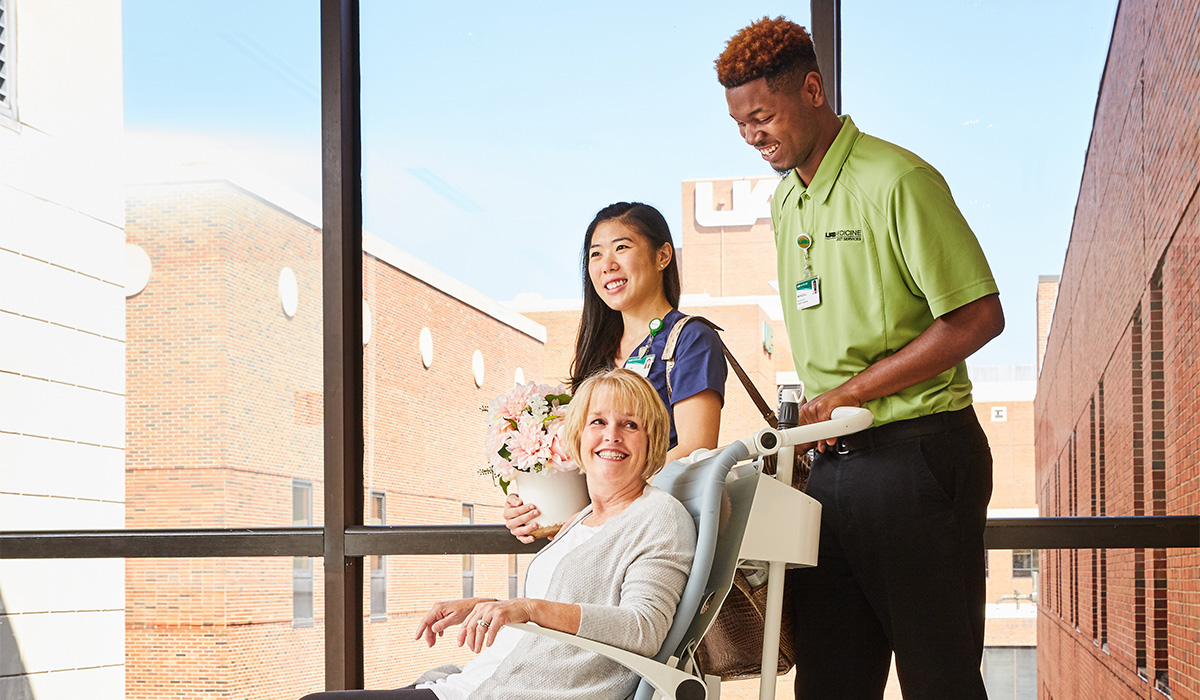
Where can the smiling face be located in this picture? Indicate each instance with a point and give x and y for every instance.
(614, 442)
(785, 126)
(625, 269)
(609, 401)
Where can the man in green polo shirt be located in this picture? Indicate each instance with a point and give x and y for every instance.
(885, 293)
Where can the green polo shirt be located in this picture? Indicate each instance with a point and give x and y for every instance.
(892, 252)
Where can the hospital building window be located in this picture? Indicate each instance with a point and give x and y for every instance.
(378, 565)
(302, 567)
(468, 560)
(1024, 563)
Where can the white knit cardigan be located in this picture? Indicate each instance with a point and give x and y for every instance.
(627, 580)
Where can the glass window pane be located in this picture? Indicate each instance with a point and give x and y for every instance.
(466, 211)
(301, 503)
(377, 564)
(302, 566)
(157, 628)
(991, 152)
(376, 515)
(393, 659)
(468, 560)
(223, 345)
(1024, 563)
(378, 597)
(169, 364)
(62, 268)
(182, 612)
(302, 594)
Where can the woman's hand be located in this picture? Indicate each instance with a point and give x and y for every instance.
(480, 628)
(519, 518)
(445, 614)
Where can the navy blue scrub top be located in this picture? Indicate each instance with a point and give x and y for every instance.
(699, 363)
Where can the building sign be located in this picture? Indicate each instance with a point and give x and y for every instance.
(747, 206)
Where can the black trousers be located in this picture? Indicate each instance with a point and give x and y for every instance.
(397, 694)
(901, 564)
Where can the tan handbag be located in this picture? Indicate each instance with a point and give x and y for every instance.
(732, 648)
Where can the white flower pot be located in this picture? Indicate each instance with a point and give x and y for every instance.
(558, 495)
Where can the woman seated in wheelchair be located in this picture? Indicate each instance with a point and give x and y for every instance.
(613, 575)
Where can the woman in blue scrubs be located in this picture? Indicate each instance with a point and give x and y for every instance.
(630, 306)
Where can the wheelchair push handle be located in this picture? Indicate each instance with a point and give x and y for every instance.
(843, 421)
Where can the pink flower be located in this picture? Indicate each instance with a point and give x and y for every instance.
(559, 459)
(524, 428)
(529, 446)
(509, 406)
(497, 436)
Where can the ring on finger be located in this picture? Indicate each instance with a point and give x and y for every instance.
(484, 624)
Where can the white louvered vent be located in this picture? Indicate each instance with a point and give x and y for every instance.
(5, 83)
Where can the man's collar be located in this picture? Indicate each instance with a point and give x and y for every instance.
(831, 164)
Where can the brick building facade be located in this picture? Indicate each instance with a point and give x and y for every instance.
(224, 429)
(1117, 404)
(1004, 404)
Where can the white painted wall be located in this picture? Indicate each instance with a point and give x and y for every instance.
(62, 347)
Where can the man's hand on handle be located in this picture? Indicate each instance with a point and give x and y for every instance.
(951, 338)
(821, 409)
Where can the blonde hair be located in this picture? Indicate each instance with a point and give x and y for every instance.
(632, 394)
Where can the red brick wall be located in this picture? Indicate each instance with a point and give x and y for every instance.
(224, 410)
(561, 328)
(1011, 442)
(1117, 403)
(742, 333)
(1047, 294)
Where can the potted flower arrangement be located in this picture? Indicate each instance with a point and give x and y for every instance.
(524, 445)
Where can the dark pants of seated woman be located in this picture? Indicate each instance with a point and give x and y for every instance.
(397, 694)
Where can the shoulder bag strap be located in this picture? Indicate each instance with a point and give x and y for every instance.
(669, 356)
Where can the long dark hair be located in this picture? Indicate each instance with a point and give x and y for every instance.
(600, 328)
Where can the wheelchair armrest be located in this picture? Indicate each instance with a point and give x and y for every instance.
(671, 682)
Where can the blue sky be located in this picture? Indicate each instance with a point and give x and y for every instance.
(493, 133)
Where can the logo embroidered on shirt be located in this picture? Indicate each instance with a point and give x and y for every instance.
(844, 235)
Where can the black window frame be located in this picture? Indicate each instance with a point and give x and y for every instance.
(343, 540)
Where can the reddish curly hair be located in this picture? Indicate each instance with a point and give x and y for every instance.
(776, 49)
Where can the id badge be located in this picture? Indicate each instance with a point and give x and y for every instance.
(640, 364)
(808, 293)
